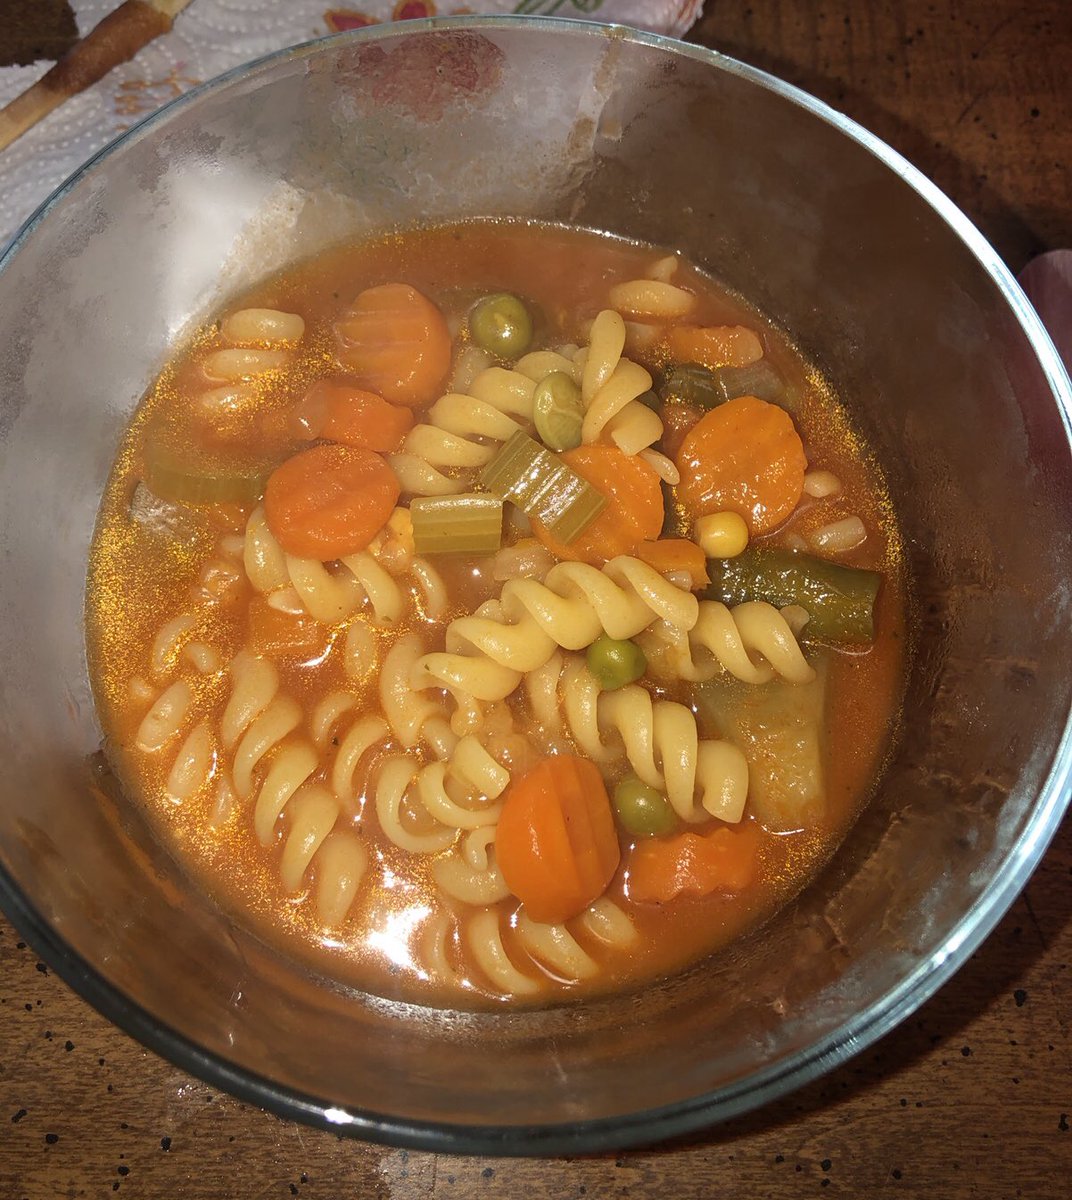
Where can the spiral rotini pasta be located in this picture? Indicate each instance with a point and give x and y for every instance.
(753, 642)
(462, 431)
(332, 594)
(659, 739)
(488, 653)
(446, 797)
(555, 947)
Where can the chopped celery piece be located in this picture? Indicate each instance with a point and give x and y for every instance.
(543, 486)
(467, 524)
(172, 475)
(839, 600)
(779, 727)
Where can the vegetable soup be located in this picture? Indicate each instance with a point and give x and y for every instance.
(496, 612)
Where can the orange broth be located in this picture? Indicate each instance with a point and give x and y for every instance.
(138, 579)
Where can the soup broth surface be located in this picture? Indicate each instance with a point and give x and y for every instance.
(278, 714)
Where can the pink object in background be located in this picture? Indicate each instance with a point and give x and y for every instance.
(1047, 280)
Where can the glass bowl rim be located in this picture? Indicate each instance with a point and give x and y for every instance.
(646, 1125)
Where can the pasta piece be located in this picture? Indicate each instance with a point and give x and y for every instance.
(839, 536)
(556, 948)
(169, 642)
(331, 594)
(290, 768)
(753, 642)
(282, 716)
(821, 484)
(462, 432)
(194, 765)
(606, 922)
(255, 682)
(312, 816)
(406, 710)
(166, 717)
(360, 652)
(231, 366)
(625, 384)
(538, 364)
(267, 325)
(360, 738)
(469, 873)
(341, 863)
(205, 659)
(483, 937)
(438, 943)
(606, 341)
(664, 269)
(392, 785)
(634, 428)
(487, 653)
(651, 299)
(659, 739)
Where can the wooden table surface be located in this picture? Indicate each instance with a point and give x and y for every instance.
(973, 1095)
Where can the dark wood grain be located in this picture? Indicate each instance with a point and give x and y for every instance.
(970, 1098)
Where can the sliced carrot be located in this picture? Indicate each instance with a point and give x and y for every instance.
(397, 344)
(329, 501)
(677, 555)
(277, 634)
(745, 456)
(338, 411)
(714, 345)
(556, 843)
(693, 864)
(633, 513)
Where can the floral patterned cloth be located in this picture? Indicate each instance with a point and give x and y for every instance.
(211, 36)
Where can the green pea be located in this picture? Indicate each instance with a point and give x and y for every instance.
(693, 383)
(557, 411)
(642, 809)
(501, 324)
(615, 663)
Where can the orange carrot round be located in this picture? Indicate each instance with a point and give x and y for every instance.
(693, 864)
(714, 345)
(397, 344)
(338, 411)
(746, 457)
(556, 844)
(633, 513)
(329, 501)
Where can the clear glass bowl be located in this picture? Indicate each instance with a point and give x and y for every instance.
(879, 279)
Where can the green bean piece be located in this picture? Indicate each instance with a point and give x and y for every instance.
(650, 399)
(839, 600)
(692, 383)
(711, 386)
(758, 379)
(501, 324)
(557, 411)
(614, 662)
(643, 810)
